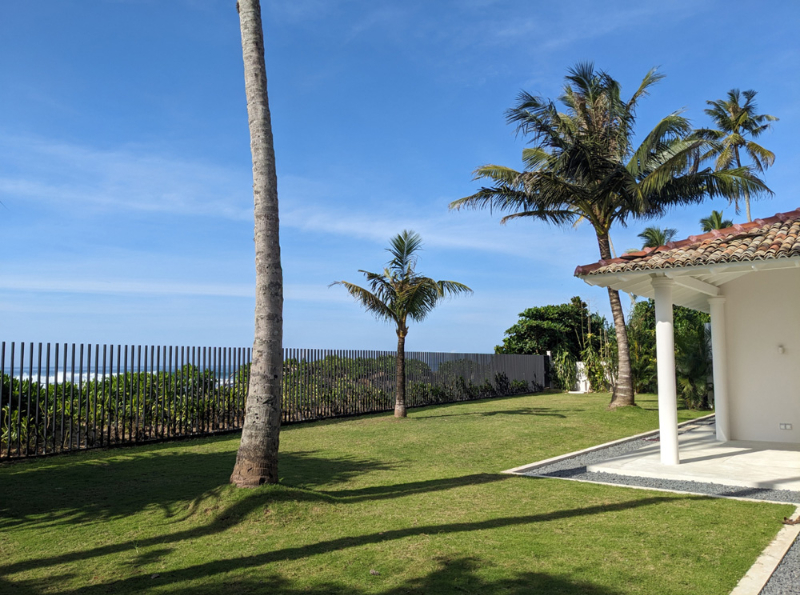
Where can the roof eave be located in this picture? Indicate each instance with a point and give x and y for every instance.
(616, 279)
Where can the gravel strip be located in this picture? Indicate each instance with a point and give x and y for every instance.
(786, 578)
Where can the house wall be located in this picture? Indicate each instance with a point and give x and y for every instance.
(763, 313)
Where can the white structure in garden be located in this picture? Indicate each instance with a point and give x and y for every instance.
(747, 278)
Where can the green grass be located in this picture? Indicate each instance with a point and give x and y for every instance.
(374, 505)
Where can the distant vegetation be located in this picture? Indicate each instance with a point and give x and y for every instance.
(571, 333)
(40, 416)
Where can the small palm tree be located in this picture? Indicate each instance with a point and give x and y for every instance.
(398, 294)
(715, 221)
(656, 236)
(735, 123)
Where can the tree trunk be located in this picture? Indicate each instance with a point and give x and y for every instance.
(400, 393)
(746, 192)
(622, 393)
(257, 458)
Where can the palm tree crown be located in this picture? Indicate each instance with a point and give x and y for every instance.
(582, 164)
(398, 294)
(737, 124)
(715, 221)
(656, 236)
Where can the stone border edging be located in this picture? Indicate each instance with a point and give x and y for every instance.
(765, 565)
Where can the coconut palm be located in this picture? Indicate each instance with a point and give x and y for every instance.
(737, 124)
(656, 236)
(715, 221)
(257, 458)
(400, 294)
(583, 165)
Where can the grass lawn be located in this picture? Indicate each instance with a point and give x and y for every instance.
(374, 505)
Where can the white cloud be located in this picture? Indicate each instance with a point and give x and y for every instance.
(121, 286)
(292, 292)
(462, 231)
(75, 177)
(68, 175)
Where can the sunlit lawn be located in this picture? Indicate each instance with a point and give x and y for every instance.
(374, 505)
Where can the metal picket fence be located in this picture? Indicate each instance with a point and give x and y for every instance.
(64, 397)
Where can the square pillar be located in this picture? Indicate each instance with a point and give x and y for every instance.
(719, 353)
(665, 357)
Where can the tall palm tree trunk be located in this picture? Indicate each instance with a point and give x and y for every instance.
(746, 193)
(622, 394)
(400, 372)
(257, 458)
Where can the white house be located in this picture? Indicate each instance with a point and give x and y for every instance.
(748, 278)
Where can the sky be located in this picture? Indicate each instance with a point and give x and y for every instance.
(125, 171)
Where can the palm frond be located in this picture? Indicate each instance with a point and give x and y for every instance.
(559, 218)
(650, 79)
(761, 157)
(403, 248)
(654, 237)
(715, 221)
(368, 300)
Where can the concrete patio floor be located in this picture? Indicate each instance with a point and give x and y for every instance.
(767, 465)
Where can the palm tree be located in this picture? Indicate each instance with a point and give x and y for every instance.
(736, 125)
(398, 294)
(257, 458)
(582, 165)
(656, 236)
(715, 221)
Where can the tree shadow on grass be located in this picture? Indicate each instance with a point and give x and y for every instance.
(410, 488)
(538, 411)
(453, 575)
(254, 501)
(98, 489)
(214, 568)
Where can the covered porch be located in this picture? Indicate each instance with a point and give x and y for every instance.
(705, 459)
(748, 279)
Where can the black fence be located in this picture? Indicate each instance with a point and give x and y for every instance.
(65, 397)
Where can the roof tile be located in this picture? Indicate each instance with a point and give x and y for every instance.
(762, 239)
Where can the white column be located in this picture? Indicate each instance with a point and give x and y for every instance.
(665, 355)
(720, 355)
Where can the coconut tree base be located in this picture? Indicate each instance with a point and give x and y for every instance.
(251, 475)
(618, 404)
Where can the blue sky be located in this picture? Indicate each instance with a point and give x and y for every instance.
(125, 166)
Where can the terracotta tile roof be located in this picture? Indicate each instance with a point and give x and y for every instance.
(762, 239)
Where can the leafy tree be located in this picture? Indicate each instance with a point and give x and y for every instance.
(736, 125)
(257, 458)
(656, 236)
(715, 221)
(563, 327)
(398, 294)
(583, 165)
